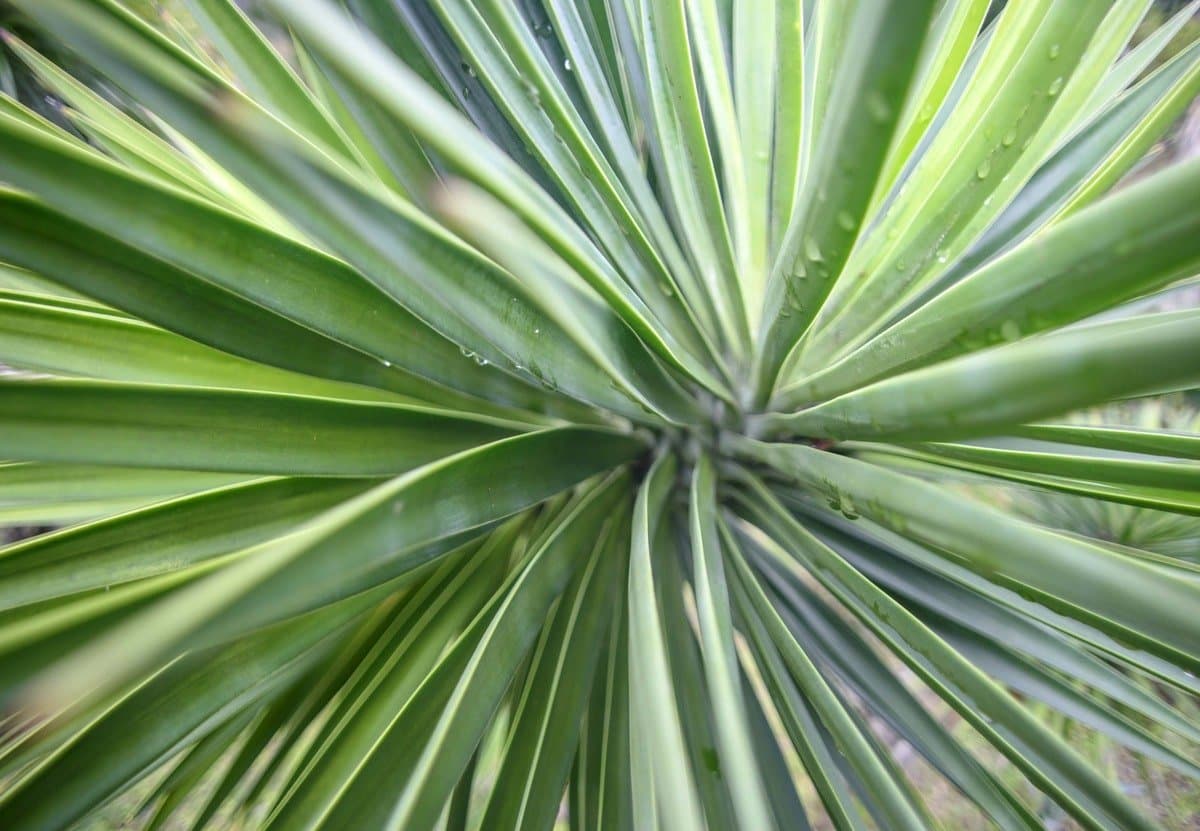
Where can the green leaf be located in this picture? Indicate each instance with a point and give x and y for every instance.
(869, 87)
(1127, 439)
(826, 706)
(1064, 573)
(399, 660)
(43, 335)
(434, 735)
(1039, 753)
(542, 741)
(664, 757)
(262, 71)
(169, 427)
(982, 393)
(383, 536)
(1137, 241)
(160, 718)
(255, 293)
(1035, 73)
(171, 535)
(715, 619)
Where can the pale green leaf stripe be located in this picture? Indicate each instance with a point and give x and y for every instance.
(23, 483)
(166, 537)
(1153, 474)
(433, 737)
(1184, 502)
(602, 784)
(781, 787)
(797, 717)
(15, 278)
(199, 761)
(1058, 692)
(1144, 606)
(1134, 242)
(380, 76)
(739, 765)
(387, 533)
(45, 337)
(337, 686)
(396, 664)
(389, 150)
(263, 296)
(982, 393)
(686, 159)
(191, 428)
(833, 716)
(1132, 64)
(528, 788)
(790, 118)
(1090, 162)
(726, 118)
(991, 142)
(105, 122)
(1018, 599)
(581, 36)
(263, 73)
(755, 79)
(686, 664)
(841, 648)
(655, 724)
(1040, 754)
(990, 617)
(1127, 439)
(1182, 72)
(870, 85)
(404, 250)
(956, 27)
(1161, 485)
(589, 323)
(528, 90)
(167, 713)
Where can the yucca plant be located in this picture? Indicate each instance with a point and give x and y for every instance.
(490, 414)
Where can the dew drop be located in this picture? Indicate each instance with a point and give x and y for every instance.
(985, 168)
(1055, 87)
(470, 70)
(567, 65)
(1009, 137)
(846, 221)
(812, 251)
(1054, 51)
(878, 107)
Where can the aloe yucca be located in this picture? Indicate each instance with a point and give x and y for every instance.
(557, 395)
